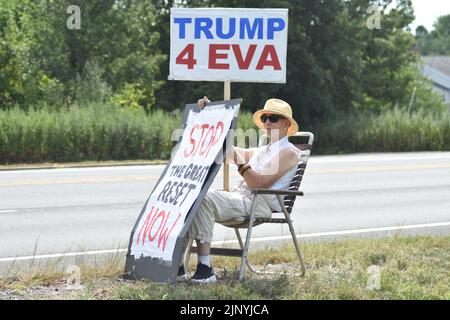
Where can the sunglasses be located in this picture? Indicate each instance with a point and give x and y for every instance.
(272, 118)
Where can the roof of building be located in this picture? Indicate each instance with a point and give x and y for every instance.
(437, 68)
(439, 63)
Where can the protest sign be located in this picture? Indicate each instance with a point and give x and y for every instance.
(228, 44)
(156, 239)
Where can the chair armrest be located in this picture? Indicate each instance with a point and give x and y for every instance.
(277, 191)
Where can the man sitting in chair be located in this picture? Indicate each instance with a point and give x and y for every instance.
(272, 166)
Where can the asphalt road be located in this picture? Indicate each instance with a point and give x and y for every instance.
(47, 213)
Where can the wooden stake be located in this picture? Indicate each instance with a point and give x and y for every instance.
(226, 166)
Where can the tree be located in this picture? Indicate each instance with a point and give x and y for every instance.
(312, 86)
(436, 42)
(14, 48)
(41, 54)
(121, 38)
(334, 64)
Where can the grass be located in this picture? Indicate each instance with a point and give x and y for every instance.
(107, 132)
(391, 131)
(82, 164)
(410, 268)
(92, 133)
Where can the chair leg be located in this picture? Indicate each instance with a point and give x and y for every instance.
(241, 245)
(294, 236)
(297, 246)
(247, 240)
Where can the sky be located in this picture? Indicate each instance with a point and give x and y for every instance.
(427, 11)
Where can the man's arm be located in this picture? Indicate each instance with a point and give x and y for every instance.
(279, 166)
(240, 155)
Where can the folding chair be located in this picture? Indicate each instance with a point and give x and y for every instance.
(286, 204)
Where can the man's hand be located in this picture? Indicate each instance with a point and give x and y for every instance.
(202, 102)
(239, 156)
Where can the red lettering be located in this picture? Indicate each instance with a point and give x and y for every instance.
(219, 125)
(192, 142)
(214, 55)
(186, 57)
(164, 235)
(264, 61)
(163, 216)
(244, 63)
(197, 145)
(203, 145)
(268, 58)
(214, 140)
(203, 150)
(203, 126)
(146, 226)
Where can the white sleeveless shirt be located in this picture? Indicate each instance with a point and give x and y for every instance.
(260, 159)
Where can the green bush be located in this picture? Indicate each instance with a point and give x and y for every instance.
(95, 132)
(109, 132)
(391, 131)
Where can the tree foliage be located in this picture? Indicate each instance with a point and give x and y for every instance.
(115, 47)
(335, 62)
(436, 42)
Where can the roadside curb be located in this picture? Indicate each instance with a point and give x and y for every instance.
(79, 165)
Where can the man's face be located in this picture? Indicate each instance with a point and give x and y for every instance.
(275, 125)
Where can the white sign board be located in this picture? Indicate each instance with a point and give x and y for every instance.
(228, 44)
(170, 202)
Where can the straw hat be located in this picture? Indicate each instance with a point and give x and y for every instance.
(280, 107)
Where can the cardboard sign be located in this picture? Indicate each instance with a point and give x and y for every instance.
(228, 44)
(170, 202)
(155, 243)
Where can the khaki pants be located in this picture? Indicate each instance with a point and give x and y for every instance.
(220, 206)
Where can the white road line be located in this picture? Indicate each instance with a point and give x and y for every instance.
(343, 232)
(61, 255)
(262, 239)
(378, 157)
(362, 157)
(144, 167)
(8, 211)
